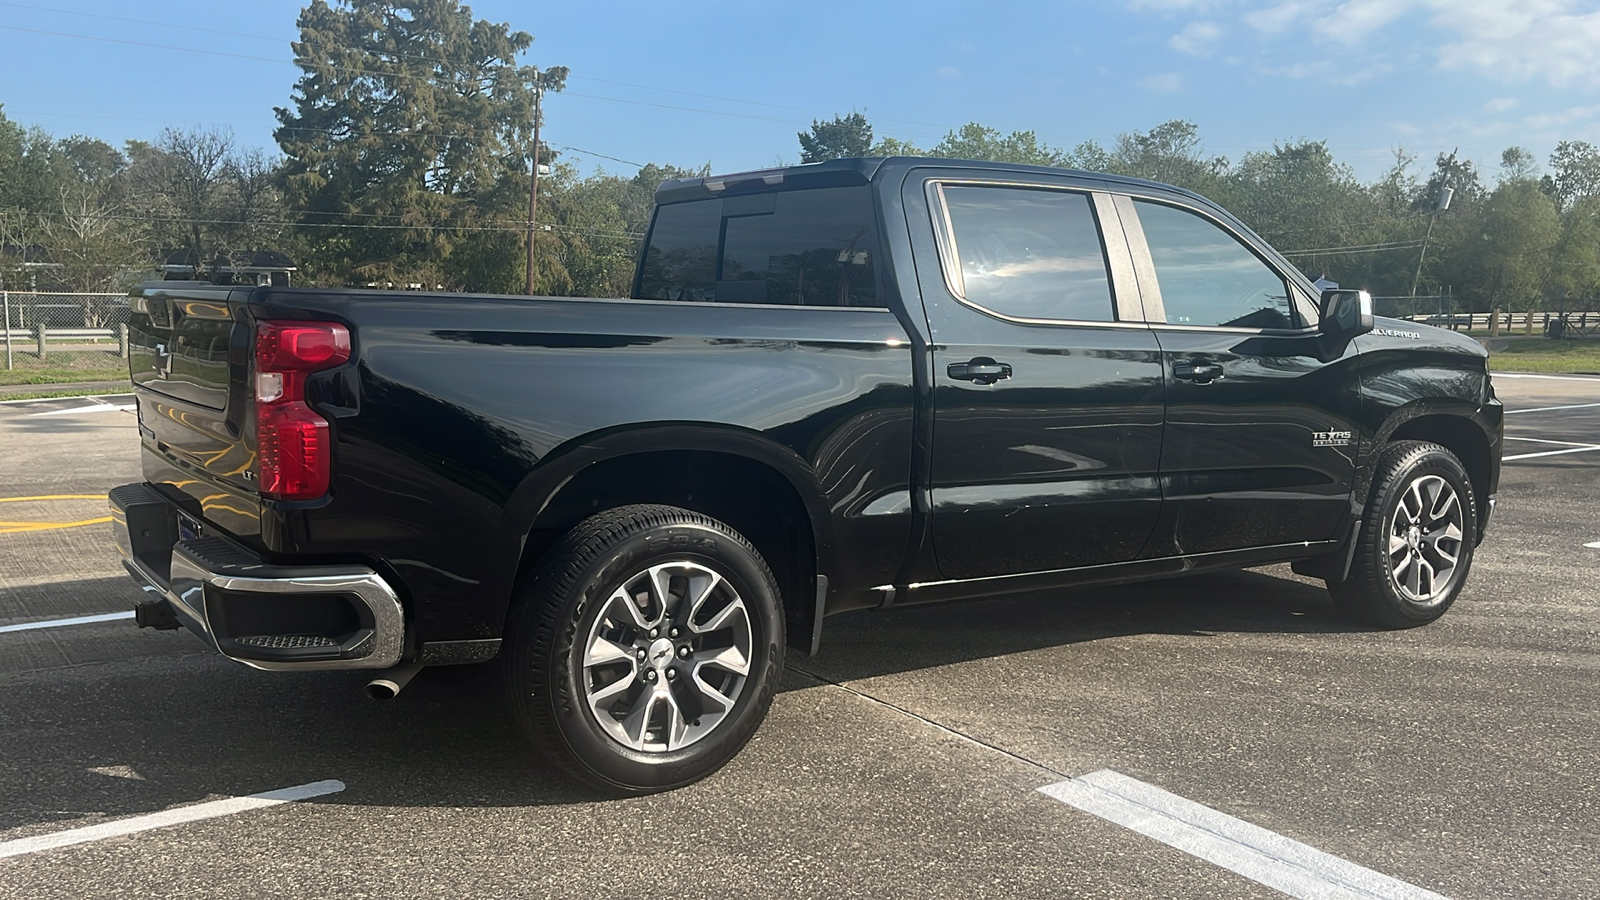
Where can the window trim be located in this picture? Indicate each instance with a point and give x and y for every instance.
(1125, 307)
(1144, 262)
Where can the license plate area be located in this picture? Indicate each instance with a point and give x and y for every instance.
(189, 528)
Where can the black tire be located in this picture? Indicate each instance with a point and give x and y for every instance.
(1393, 579)
(574, 603)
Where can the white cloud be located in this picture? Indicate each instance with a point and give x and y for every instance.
(947, 72)
(1352, 21)
(1499, 105)
(1277, 19)
(1516, 41)
(1196, 38)
(1166, 82)
(1568, 116)
(1557, 41)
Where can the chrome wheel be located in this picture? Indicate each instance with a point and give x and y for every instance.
(1425, 540)
(667, 657)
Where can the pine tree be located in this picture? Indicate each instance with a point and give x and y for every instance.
(413, 121)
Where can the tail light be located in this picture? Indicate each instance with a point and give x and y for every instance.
(291, 439)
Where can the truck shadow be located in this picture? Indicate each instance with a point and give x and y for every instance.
(140, 733)
(870, 643)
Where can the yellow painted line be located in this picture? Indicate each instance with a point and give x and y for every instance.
(54, 497)
(20, 527)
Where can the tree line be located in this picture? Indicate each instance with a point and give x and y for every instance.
(404, 157)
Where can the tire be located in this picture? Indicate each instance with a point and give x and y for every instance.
(1417, 538)
(614, 679)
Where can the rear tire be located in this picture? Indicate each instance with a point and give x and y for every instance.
(1417, 537)
(645, 648)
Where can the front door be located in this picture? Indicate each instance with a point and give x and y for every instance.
(1260, 439)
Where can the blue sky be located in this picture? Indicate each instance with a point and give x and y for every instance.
(732, 83)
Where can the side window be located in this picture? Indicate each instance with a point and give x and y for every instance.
(813, 247)
(1028, 253)
(1207, 277)
(681, 262)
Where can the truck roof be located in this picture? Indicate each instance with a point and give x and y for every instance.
(862, 170)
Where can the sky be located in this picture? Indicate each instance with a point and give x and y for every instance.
(732, 84)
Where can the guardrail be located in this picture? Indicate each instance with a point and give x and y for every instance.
(77, 339)
(1580, 322)
(79, 331)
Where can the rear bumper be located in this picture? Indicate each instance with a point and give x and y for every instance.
(263, 615)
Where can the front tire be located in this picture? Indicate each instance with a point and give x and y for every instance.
(645, 648)
(1417, 538)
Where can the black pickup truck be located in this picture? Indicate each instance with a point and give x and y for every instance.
(854, 384)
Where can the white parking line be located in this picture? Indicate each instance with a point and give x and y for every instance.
(1571, 447)
(98, 407)
(1512, 412)
(1258, 854)
(48, 399)
(162, 819)
(1589, 378)
(76, 620)
(1593, 545)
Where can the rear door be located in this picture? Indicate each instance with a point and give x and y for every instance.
(1259, 444)
(1046, 386)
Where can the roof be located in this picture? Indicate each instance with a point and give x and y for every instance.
(862, 170)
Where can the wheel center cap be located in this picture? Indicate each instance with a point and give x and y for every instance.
(1414, 536)
(660, 653)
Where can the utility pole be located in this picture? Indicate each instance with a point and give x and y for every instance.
(533, 191)
(1442, 204)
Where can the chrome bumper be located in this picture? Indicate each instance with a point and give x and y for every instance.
(279, 618)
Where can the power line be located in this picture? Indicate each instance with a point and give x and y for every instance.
(1338, 251)
(601, 155)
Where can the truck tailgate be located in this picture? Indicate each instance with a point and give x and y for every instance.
(189, 347)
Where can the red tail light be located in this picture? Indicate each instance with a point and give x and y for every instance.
(291, 439)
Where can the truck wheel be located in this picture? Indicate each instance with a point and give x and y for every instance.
(645, 648)
(1416, 538)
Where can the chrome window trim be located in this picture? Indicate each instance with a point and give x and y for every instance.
(1124, 277)
(1144, 265)
(950, 260)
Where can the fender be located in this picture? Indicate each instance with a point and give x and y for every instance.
(531, 497)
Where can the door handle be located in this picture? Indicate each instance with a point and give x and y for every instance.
(1197, 372)
(980, 369)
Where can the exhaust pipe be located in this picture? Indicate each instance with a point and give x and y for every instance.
(388, 685)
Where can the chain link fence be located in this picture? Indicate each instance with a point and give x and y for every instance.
(51, 337)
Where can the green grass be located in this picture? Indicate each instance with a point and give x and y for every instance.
(46, 395)
(65, 366)
(1540, 354)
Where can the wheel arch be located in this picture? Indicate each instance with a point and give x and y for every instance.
(762, 490)
(1462, 437)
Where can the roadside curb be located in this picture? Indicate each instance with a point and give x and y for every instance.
(79, 387)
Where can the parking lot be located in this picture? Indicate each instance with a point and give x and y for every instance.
(906, 760)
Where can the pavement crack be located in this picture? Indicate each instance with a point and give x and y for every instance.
(953, 732)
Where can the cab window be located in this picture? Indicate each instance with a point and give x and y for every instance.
(1207, 277)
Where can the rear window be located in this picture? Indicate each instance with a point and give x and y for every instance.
(799, 248)
(1028, 253)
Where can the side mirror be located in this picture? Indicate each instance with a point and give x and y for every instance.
(1346, 314)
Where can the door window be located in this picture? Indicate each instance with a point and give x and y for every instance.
(1207, 277)
(1027, 253)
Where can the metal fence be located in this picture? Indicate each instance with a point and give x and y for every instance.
(64, 337)
(1555, 324)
